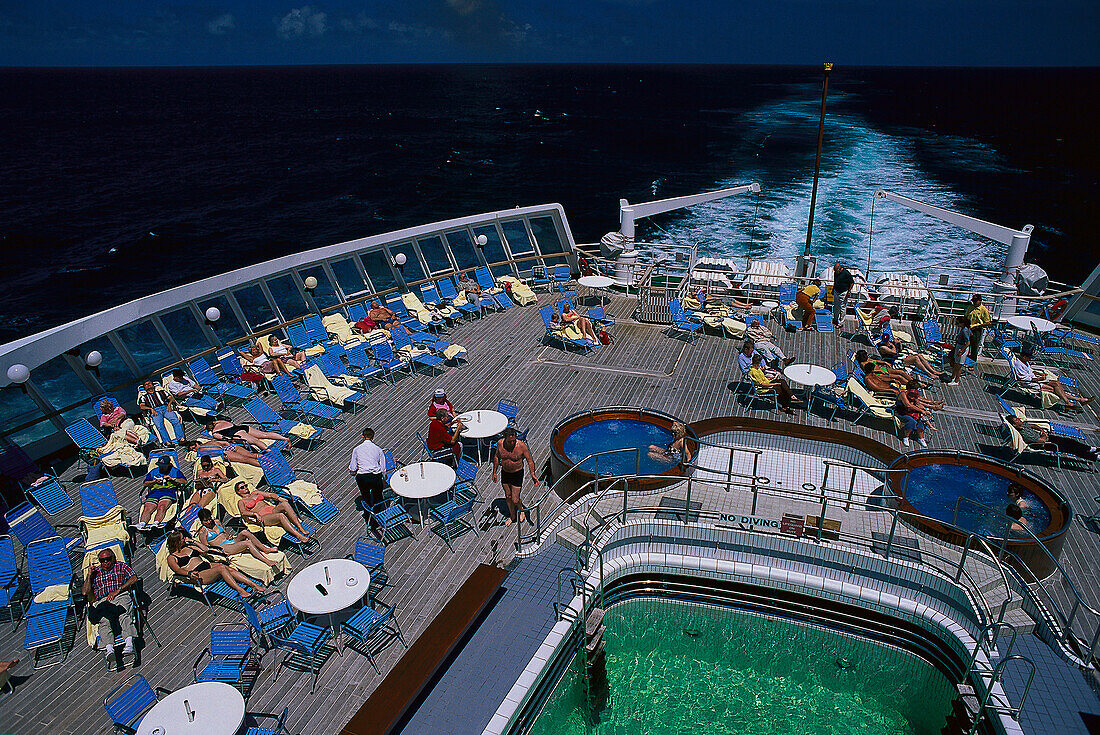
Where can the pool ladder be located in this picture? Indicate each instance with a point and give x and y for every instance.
(971, 706)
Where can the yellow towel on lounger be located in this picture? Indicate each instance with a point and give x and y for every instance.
(340, 328)
(53, 593)
(453, 351)
(521, 292)
(307, 492)
(108, 527)
(877, 407)
(302, 431)
(572, 331)
(117, 451)
(322, 389)
(227, 499)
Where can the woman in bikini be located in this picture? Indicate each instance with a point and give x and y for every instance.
(677, 452)
(268, 509)
(187, 561)
(254, 437)
(880, 377)
(570, 316)
(212, 535)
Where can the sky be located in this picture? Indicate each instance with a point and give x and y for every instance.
(846, 32)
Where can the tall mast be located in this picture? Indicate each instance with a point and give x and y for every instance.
(817, 163)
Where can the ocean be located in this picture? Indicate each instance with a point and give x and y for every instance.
(117, 183)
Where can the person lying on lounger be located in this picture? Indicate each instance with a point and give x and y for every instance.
(253, 436)
(382, 316)
(570, 316)
(890, 351)
(292, 358)
(187, 560)
(213, 535)
(268, 509)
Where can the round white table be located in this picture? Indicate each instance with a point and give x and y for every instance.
(1027, 323)
(596, 282)
(809, 375)
(344, 582)
(209, 708)
(771, 306)
(422, 480)
(483, 424)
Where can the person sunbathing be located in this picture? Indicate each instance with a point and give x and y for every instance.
(263, 363)
(268, 509)
(382, 316)
(1040, 380)
(570, 316)
(187, 560)
(254, 437)
(276, 348)
(879, 376)
(231, 452)
(209, 476)
(469, 285)
(890, 351)
(926, 405)
(213, 535)
(163, 483)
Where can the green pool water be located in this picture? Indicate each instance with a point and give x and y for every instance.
(674, 667)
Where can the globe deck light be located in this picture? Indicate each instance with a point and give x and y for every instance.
(213, 314)
(481, 241)
(19, 373)
(93, 359)
(311, 283)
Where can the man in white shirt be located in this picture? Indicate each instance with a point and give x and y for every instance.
(762, 338)
(368, 464)
(1038, 380)
(188, 392)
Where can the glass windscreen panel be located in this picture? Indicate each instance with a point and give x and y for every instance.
(16, 407)
(144, 344)
(377, 265)
(324, 295)
(515, 233)
(546, 235)
(462, 247)
(494, 250)
(34, 432)
(412, 270)
(60, 385)
(185, 331)
(287, 297)
(434, 254)
(227, 326)
(255, 306)
(112, 371)
(348, 278)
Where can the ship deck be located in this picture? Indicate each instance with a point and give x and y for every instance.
(508, 360)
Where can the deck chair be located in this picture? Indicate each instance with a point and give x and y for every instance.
(465, 487)
(227, 657)
(341, 330)
(226, 392)
(568, 337)
(360, 365)
(519, 291)
(29, 525)
(1059, 355)
(173, 509)
(320, 388)
(391, 519)
(867, 405)
(270, 420)
(787, 293)
(1047, 399)
(227, 499)
(98, 498)
(385, 358)
(1065, 334)
(397, 306)
(681, 325)
(144, 435)
(335, 370)
(409, 352)
(94, 448)
(823, 320)
(597, 315)
(309, 410)
(450, 519)
(485, 280)
(539, 277)
(12, 587)
(128, 703)
(431, 297)
(218, 592)
(1014, 440)
(832, 397)
(504, 300)
(284, 480)
(562, 276)
(297, 335)
(357, 312)
(373, 557)
(232, 369)
(49, 495)
(315, 329)
(364, 629)
(51, 574)
(449, 293)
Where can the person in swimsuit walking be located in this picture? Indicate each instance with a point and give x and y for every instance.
(677, 452)
(268, 509)
(188, 562)
(212, 534)
(509, 457)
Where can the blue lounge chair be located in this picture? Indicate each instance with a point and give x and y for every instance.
(823, 320)
(227, 656)
(348, 403)
(313, 411)
(217, 592)
(298, 337)
(228, 393)
(50, 496)
(397, 306)
(449, 518)
(230, 362)
(357, 312)
(424, 359)
(681, 325)
(98, 498)
(385, 358)
(449, 292)
(832, 397)
(128, 703)
(596, 315)
(540, 278)
(90, 443)
(430, 296)
(787, 293)
(335, 370)
(29, 526)
(48, 565)
(562, 275)
(361, 366)
(368, 625)
(315, 329)
(504, 300)
(11, 582)
(305, 644)
(274, 617)
(280, 476)
(270, 420)
(558, 335)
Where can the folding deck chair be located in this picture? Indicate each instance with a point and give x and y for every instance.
(90, 442)
(361, 366)
(424, 358)
(558, 334)
(227, 393)
(397, 306)
(385, 358)
(270, 420)
(320, 388)
(315, 329)
(562, 276)
(29, 525)
(210, 593)
(12, 586)
(681, 325)
(312, 410)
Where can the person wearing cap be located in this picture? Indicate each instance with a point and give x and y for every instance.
(162, 483)
(979, 319)
(443, 432)
(104, 588)
(1041, 380)
(440, 400)
(368, 464)
(762, 339)
(509, 457)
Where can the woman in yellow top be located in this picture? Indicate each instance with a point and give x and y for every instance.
(782, 391)
(805, 299)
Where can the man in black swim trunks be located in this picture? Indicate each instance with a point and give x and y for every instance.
(509, 457)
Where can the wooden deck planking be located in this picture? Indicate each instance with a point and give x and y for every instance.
(508, 362)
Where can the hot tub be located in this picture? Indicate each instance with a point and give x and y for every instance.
(954, 487)
(604, 429)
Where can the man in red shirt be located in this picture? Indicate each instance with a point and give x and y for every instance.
(105, 590)
(443, 434)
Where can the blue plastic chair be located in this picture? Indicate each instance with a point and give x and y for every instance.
(681, 325)
(539, 277)
(279, 728)
(391, 519)
(449, 518)
(298, 337)
(596, 315)
(363, 631)
(228, 655)
(305, 647)
(397, 306)
(465, 487)
(787, 293)
(373, 557)
(562, 275)
(50, 496)
(449, 292)
(226, 392)
(357, 312)
(11, 582)
(558, 336)
(313, 411)
(217, 592)
(280, 475)
(97, 498)
(128, 703)
(833, 398)
(315, 329)
(385, 358)
(48, 565)
(335, 370)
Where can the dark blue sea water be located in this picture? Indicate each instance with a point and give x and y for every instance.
(233, 166)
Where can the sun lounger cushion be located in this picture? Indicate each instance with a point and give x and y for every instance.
(53, 593)
(324, 389)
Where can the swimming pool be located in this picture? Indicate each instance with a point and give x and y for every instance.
(675, 667)
(935, 489)
(619, 433)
